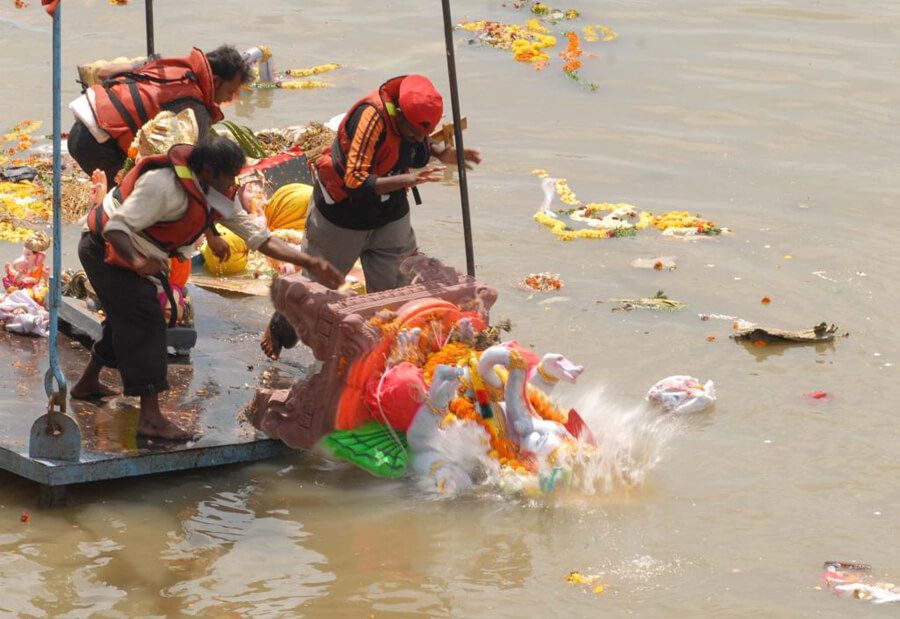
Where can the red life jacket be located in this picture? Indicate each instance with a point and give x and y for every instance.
(167, 235)
(124, 102)
(331, 165)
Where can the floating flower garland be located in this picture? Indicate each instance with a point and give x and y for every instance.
(303, 85)
(310, 71)
(606, 220)
(289, 84)
(685, 224)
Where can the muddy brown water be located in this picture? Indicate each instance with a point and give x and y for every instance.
(775, 118)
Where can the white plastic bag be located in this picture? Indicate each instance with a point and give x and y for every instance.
(682, 394)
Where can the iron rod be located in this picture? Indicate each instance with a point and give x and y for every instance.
(55, 295)
(457, 130)
(150, 43)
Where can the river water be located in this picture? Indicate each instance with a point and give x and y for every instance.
(774, 118)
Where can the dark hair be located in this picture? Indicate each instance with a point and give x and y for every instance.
(219, 155)
(227, 63)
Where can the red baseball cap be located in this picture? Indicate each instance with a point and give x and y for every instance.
(420, 103)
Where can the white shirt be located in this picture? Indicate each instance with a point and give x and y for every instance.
(159, 197)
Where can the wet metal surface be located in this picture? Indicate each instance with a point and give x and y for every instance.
(208, 394)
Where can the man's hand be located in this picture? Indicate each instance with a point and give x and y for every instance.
(470, 155)
(219, 247)
(320, 269)
(431, 174)
(149, 266)
(323, 272)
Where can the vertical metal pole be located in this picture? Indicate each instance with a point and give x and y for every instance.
(150, 44)
(457, 129)
(55, 294)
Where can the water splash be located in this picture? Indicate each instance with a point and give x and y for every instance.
(631, 442)
(631, 439)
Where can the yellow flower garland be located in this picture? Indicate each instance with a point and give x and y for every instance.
(670, 219)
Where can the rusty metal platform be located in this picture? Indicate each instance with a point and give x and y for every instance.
(209, 395)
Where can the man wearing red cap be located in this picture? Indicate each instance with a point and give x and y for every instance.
(361, 208)
(361, 204)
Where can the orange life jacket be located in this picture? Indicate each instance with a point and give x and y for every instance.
(126, 101)
(167, 235)
(331, 165)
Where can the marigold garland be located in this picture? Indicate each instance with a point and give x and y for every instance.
(451, 354)
(571, 55)
(310, 71)
(304, 85)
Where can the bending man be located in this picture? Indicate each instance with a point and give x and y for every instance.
(162, 207)
(109, 114)
(360, 203)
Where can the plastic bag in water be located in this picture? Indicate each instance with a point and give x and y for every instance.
(682, 394)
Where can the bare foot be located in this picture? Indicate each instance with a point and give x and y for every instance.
(270, 344)
(92, 391)
(279, 334)
(160, 427)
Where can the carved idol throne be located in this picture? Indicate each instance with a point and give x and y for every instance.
(336, 326)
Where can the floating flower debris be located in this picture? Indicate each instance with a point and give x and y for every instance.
(602, 220)
(531, 42)
(657, 302)
(607, 35)
(543, 282)
(586, 580)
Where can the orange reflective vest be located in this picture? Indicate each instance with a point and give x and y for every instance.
(331, 165)
(167, 235)
(124, 102)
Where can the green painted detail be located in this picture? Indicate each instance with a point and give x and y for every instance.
(372, 447)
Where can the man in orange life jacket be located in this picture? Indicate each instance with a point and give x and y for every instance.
(109, 114)
(162, 207)
(361, 209)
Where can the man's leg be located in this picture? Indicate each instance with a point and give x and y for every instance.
(137, 331)
(386, 248)
(89, 385)
(340, 246)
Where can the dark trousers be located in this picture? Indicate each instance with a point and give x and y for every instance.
(134, 331)
(92, 155)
